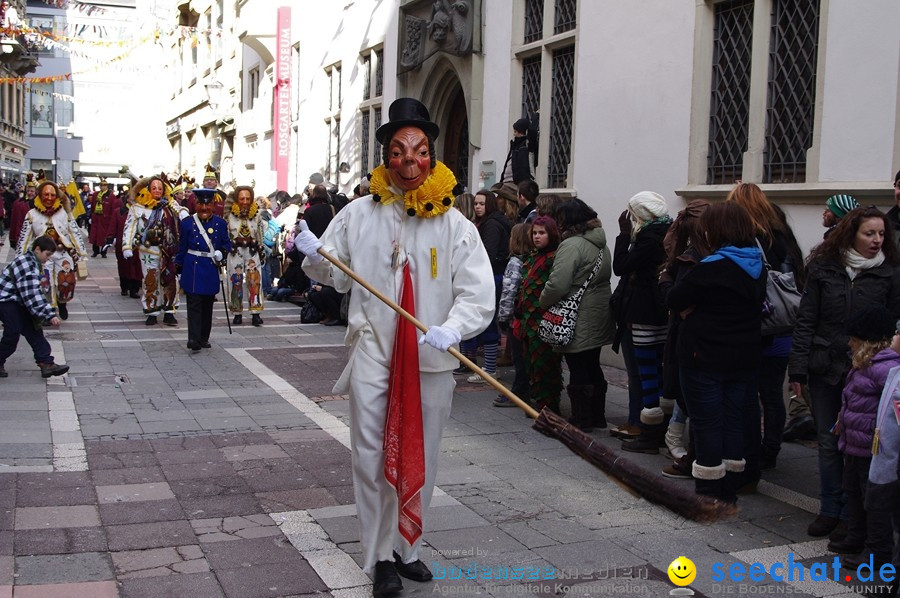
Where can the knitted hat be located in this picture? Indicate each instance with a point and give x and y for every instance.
(840, 205)
(874, 323)
(647, 206)
(522, 125)
(316, 178)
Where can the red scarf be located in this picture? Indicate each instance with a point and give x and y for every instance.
(404, 446)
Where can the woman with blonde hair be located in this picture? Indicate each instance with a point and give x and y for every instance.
(465, 203)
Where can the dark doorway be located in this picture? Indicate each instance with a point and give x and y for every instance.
(456, 138)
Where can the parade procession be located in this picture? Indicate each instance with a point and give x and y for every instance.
(415, 297)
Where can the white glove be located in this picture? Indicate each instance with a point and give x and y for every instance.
(127, 254)
(440, 337)
(308, 243)
(218, 255)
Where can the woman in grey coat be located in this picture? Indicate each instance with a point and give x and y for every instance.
(583, 239)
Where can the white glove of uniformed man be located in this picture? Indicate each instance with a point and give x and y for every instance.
(218, 255)
(308, 243)
(440, 337)
(127, 254)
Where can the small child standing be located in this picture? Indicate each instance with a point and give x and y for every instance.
(23, 308)
(543, 363)
(883, 491)
(871, 330)
(519, 246)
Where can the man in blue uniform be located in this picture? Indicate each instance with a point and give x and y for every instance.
(203, 241)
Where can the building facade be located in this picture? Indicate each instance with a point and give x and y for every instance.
(683, 97)
(17, 59)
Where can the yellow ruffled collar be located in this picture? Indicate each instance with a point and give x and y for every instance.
(47, 211)
(432, 198)
(251, 211)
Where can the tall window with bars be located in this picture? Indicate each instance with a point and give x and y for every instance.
(787, 80)
(370, 109)
(546, 56)
(333, 120)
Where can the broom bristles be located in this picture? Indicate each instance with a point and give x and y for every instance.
(649, 485)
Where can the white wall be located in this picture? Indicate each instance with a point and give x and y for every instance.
(862, 56)
(632, 105)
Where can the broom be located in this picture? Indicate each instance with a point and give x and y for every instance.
(633, 478)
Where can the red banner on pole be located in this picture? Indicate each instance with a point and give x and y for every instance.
(281, 143)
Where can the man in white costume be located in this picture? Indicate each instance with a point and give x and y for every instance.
(408, 243)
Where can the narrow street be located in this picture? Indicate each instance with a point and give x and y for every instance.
(150, 471)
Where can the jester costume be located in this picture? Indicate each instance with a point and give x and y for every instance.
(56, 221)
(246, 229)
(151, 230)
(407, 242)
(543, 363)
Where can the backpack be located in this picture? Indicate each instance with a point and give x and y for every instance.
(273, 229)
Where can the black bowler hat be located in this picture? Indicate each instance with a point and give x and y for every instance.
(406, 112)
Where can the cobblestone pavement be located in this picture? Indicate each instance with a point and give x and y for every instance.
(151, 471)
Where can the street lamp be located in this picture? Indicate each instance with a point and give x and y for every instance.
(214, 91)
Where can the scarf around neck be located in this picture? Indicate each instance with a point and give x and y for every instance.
(854, 263)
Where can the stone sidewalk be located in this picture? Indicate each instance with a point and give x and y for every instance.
(151, 471)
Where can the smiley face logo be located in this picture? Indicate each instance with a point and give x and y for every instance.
(682, 571)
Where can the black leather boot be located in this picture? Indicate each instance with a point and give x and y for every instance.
(580, 397)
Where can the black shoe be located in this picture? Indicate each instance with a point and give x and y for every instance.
(3, 372)
(822, 526)
(205, 344)
(103, 255)
(387, 581)
(461, 371)
(134, 295)
(416, 571)
(52, 369)
(63, 311)
(124, 292)
(839, 533)
(646, 444)
(845, 547)
(238, 319)
(801, 427)
(767, 463)
(151, 321)
(332, 323)
(95, 254)
(169, 320)
(256, 320)
(853, 562)
(193, 346)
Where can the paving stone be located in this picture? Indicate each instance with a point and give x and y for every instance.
(341, 529)
(343, 494)
(221, 506)
(218, 486)
(131, 475)
(68, 568)
(193, 471)
(89, 589)
(241, 439)
(53, 480)
(249, 553)
(332, 476)
(158, 561)
(254, 451)
(118, 446)
(56, 517)
(193, 395)
(148, 512)
(7, 570)
(272, 579)
(220, 529)
(291, 500)
(134, 493)
(150, 535)
(204, 455)
(195, 585)
(175, 425)
(456, 517)
(60, 540)
(44, 497)
(489, 539)
(593, 555)
(304, 533)
(199, 443)
(120, 460)
(278, 476)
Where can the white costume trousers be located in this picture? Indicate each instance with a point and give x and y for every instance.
(376, 500)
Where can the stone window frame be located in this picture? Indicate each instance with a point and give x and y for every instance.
(373, 57)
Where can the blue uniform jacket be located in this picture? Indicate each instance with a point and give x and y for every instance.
(200, 275)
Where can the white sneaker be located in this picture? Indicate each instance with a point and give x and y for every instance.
(476, 379)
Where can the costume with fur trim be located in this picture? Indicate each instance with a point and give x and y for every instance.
(151, 229)
(56, 222)
(246, 230)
